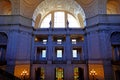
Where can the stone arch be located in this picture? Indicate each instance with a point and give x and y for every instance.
(82, 22)
(51, 5)
(113, 7)
(3, 38)
(37, 20)
(3, 48)
(5, 8)
(115, 38)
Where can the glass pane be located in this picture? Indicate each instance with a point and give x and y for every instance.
(72, 22)
(59, 20)
(59, 73)
(74, 41)
(74, 53)
(44, 41)
(59, 53)
(43, 53)
(46, 21)
(59, 41)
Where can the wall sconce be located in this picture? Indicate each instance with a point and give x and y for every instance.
(93, 74)
(24, 75)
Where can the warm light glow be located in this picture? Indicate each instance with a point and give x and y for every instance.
(36, 39)
(21, 70)
(59, 73)
(24, 73)
(93, 72)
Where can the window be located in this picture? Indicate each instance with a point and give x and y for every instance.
(74, 41)
(74, 53)
(46, 21)
(44, 41)
(59, 41)
(43, 53)
(59, 53)
(72, 22)
(59, 19)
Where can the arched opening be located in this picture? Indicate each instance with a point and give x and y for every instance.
(78, 74)
(113, 7)
(115, 43)
(117, 74)
(39, 74)
(5, 7)
(37, 20)
(59, 73)
(68, 14)
(3, 48)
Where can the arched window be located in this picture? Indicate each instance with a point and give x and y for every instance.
(5, 7)
(60, 19)
(113, 7)
(72, 22)
(115, 42)
(46, 21)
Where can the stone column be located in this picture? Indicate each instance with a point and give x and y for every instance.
(108, 73)
(50, 51)
(68, 48)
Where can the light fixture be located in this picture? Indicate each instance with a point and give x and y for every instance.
(24, 75)
(93, 74)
